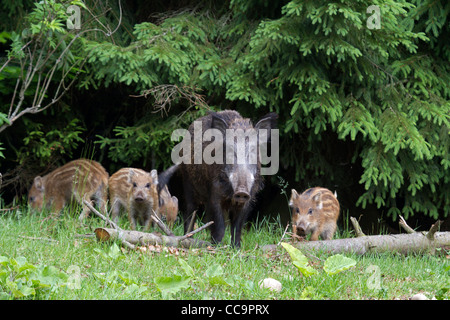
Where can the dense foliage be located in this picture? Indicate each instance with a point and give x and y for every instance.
(362, 110)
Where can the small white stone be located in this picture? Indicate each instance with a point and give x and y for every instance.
(270, 284)
(419, 296)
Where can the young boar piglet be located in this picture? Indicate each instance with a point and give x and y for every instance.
(73, 182)
(168, 206)
(136, 191)
(315, 212)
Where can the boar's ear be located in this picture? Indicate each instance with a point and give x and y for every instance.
(294, 196)
(217, 122)
(269, 121)
(154, 175)
(38, 183)
(164, 177)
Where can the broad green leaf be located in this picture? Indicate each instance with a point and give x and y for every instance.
(186, 267)
(19, 290)
(4, 260)
(214, 270)
(299, 260)
(338, 263)
(4, 296)
(304, 269)
(219, 280)
(114, 252)
(171, 285)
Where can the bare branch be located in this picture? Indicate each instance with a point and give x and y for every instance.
(434, 228)
(35, 62)
(190, 234)
(161, 224)
(405, 226)
(165, 94)
(357, 227)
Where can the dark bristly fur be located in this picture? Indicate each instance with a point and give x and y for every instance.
(210, 185)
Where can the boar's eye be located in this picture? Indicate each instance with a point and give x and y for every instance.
(31, 199)
(147, 185)
(297, 210)
(310, 211)
(134, 185)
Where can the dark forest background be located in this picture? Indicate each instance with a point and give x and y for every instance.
(362, 110)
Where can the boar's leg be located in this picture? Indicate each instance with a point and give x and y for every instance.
(237, 219)
(132, 219)
(56, 207)
(315, 235)
(218, 228)
(101, 199)
(115, 210)
(328, 231)
(190, 204)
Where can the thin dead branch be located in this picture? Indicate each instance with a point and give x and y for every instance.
(161, 224)
(357, 227)
(190, 234)
(191, 223)
(434, 228)
(405, 226)
(165, 94)
(101, 216)
(284, 233)
(39, 238)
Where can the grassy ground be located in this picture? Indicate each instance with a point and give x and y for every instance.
(105, 271)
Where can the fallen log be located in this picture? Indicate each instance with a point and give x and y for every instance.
(415, 242)
(130, 238)
(402, 243)
(146, 238)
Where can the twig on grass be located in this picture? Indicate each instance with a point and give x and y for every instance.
(191, 223)
(39, 238)
(98, 214)
(190, 234)
(111, 223)
(284, 233)
(161, 224)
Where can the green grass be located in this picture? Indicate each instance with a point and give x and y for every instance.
(219, 273)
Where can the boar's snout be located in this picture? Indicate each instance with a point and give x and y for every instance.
(139, 197)
(241, 196)
(301, 229)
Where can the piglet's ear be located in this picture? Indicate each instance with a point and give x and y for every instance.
(38, 183)
(154, 175)
(294, 196)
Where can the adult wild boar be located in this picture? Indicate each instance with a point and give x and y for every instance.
(229, 179)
